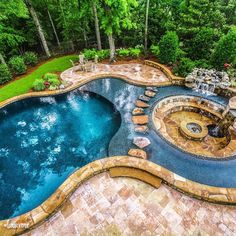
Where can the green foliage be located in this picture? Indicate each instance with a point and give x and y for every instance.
(202, 44)
(129, 52)
(54, 82)
(225, 50)
(169, 47)
(30, 58)
(155, 50)
(103, 54)
(24, 85)
(202, 64)
(123, 52)
(39, 85)
(184, 67)
(17, 65)
(90, 54)
(50, 76)
(134, 52)
(5, 74)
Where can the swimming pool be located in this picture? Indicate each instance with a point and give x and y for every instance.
(43, 140)
(51, 137)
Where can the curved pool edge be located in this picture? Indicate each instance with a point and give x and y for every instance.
(79, 84)
(33, 218)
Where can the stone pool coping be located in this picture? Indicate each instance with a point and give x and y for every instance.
(31, 219)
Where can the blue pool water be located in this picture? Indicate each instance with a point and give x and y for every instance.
(44, 140)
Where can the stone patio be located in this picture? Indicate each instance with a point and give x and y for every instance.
(136, 72)
(124, 206)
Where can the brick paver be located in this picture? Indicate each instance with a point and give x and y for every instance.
(124, 206)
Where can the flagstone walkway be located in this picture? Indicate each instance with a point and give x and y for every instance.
(124, 206)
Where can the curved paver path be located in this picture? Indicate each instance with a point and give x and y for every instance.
(124, 206)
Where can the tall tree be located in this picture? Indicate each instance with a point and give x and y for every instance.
(146, 27)
(96, 22)
(38, 26)
(11, 38)
(115, 15)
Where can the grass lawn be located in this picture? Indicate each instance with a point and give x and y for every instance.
(24, 84)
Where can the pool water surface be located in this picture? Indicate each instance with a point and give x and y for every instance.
(43, 140)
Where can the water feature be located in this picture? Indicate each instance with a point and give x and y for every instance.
(44, 140)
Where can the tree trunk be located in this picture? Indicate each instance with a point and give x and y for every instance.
(112, 47)
(54, 29)
(39, 28)
(96, 21)
(2, 60)
(146, 28)
(85, 38)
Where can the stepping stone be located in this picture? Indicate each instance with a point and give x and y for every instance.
(140, 120)
(144, 98)
(152, 89)
(150, 94)
(141, 142)
(141, 129)
(141, 104)
(138, 153)
(138, 111)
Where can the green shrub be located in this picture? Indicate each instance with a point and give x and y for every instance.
(155, 50)
(202, 64)
(103, 54)
(225, 50)
(134, 52)
(123, 52)
(49, 76)
(30, 58)
(5, 74)
(169, 47)
(184, 67)
(202, 43)
(17, 65)
(54, 82)
(51, 87)
(39, 85)
(89, 54)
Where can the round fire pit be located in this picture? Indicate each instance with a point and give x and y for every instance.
(193, 129)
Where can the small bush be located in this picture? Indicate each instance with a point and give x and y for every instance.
(51, 87)
(39, 85)
(17, 65)
(169, 47)
(134, 52)
(123, 52)
(54, 82)
(155, 50)
(89, 54)
(184, 67)
(30, 58)
(49, 76)
(5, 74)
(103, 54)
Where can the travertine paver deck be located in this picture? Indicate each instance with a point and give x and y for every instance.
(136, 72)
(123, 206)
